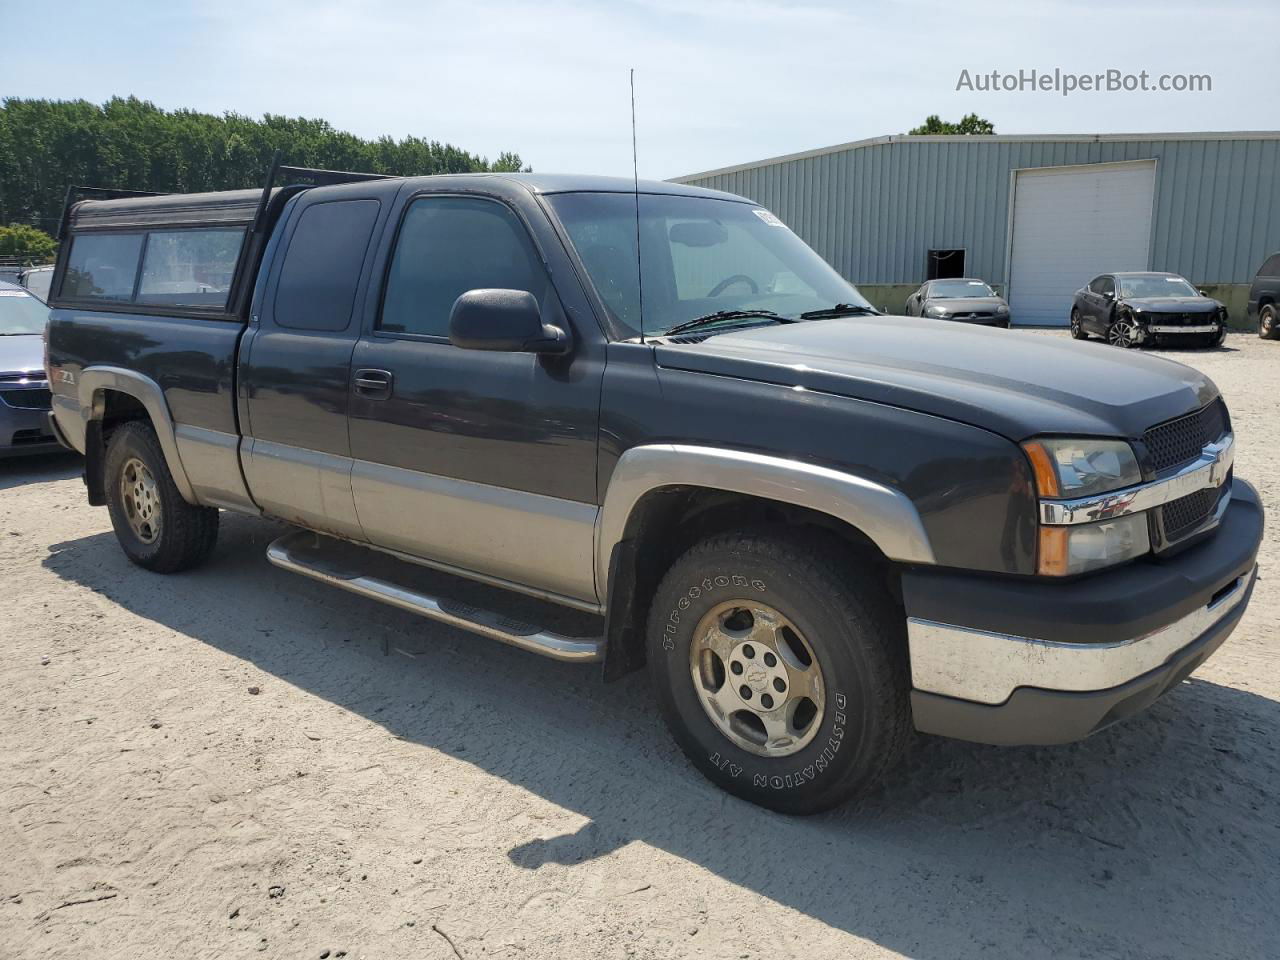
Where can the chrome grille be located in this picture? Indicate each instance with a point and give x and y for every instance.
(1178, 441)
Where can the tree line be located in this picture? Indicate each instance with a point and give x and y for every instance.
(127, 143)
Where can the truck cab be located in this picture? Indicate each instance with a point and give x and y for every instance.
(653, 404)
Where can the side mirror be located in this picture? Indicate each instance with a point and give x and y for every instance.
(506, 320)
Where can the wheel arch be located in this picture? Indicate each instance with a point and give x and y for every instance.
(110, 395)
(663, 497)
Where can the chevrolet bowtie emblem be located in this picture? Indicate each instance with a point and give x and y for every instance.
(1217, 472)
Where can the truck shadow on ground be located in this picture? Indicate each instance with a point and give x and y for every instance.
(39, 468)
(1157, 838)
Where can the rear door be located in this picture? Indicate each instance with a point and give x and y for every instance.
(478, 460)
(296, 358)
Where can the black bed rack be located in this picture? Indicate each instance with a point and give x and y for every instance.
(316, 176)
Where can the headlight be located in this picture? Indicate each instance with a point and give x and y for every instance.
(1001, 309)
(933, 310)
(1065, 469)
(1066, 551)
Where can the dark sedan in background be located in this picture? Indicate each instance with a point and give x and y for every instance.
(962, 299)
(1132, 309)
(24, 391)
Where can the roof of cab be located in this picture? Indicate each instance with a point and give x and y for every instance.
(586, 183)
(239, 206)
(171, 209)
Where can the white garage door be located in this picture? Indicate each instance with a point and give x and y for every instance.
(1071, 224)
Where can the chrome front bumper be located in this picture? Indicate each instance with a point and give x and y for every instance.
(984, 667)
(1200, 328)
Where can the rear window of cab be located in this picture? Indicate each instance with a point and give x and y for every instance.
(190, 268)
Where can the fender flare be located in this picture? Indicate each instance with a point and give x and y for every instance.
(884, 515)
(94, 381)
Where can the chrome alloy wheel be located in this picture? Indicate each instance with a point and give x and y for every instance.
(757, 678)
(141, 499)
(1122, 333)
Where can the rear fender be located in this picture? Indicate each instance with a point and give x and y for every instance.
(93, 386)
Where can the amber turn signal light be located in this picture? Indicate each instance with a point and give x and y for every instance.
(1043, 468)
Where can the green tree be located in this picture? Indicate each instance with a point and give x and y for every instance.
(970, 123)
(20, 240)
(48, 145)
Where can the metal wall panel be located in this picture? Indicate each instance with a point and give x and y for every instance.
(873, 209)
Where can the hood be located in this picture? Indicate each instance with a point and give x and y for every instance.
(1172, 304)
(1015, 384)
(21, 353)
(966, 304)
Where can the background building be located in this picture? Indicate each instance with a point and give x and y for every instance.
(1038, 216)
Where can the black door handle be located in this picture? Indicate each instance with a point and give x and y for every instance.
(373, 384)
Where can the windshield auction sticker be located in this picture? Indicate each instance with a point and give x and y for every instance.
(768, 218)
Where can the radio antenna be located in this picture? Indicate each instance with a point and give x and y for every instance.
(635, 179)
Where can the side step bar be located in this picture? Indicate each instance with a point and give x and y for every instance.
(305, 553)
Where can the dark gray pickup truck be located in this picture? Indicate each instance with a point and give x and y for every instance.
(818, 526)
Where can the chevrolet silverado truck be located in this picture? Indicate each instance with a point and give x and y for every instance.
(817, 526)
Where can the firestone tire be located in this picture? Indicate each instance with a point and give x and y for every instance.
(841, 615)
(157, 529)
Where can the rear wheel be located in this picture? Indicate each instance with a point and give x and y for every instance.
(1268, 322)
(780, 667)
(157, 529)
(1077, 327)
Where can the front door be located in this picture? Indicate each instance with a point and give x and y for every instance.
(477, 460)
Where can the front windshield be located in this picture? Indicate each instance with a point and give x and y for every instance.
(20, 312)
(955, 289)
(1156, 286)
(700, 256)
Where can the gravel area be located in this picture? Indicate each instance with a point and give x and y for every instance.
(226, 763)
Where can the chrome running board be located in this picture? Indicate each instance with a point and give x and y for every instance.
(330, 562)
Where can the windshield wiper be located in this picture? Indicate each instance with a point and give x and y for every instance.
(721, 315)
(839, 310)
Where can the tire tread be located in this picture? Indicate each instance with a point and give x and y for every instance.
(188, 533)
(816, 557)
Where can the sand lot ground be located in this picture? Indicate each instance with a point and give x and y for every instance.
(458, 798)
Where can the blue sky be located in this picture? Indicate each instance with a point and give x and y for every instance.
(718, 82)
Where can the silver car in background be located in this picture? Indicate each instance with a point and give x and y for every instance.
(24, 390)
(960, 298)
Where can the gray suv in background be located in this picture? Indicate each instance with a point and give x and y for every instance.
(1264, 298)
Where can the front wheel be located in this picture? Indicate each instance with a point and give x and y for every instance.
(1123, 332)
(780, 667)
(157, 529)
(1268, 324)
